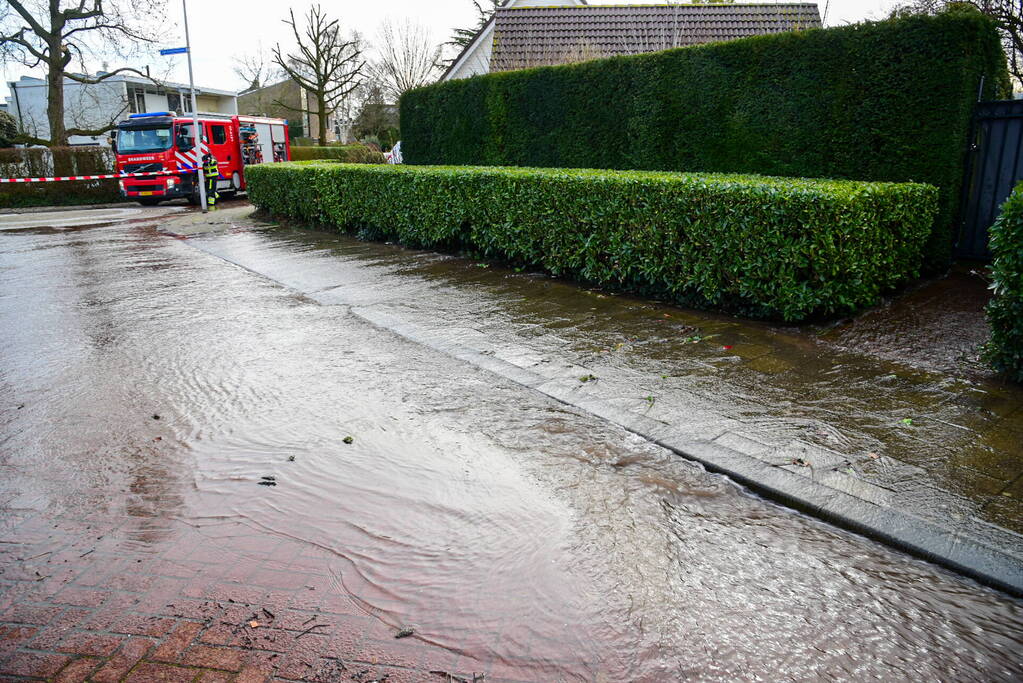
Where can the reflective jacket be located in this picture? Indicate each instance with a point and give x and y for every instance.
(210, 168)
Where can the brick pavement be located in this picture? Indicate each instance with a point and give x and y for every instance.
(129, 599)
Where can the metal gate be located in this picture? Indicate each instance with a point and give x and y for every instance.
(993, 169)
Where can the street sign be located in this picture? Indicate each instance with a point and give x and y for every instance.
(174, 51)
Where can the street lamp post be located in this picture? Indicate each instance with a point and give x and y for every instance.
(197, 146)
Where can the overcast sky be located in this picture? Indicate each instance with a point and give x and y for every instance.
(221, 29)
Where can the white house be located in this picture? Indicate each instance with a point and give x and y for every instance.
(475, 58)
(93, 106)
(528, 33)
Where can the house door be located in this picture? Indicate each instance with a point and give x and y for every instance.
(995, 166)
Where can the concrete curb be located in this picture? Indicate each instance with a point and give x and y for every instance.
(79, 207)
(943, 546)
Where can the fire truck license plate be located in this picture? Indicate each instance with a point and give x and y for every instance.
(146, 194)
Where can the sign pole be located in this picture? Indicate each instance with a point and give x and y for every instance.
(197, 148)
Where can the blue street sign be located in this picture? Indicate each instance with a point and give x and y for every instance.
(174, 51)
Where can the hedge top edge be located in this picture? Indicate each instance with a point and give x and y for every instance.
(722, 179)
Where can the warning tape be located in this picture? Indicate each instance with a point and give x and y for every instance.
(91, 177)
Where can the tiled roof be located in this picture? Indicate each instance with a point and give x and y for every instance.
(534, 36)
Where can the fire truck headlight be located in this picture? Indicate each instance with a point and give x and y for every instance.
(121, 184)
(171, 182)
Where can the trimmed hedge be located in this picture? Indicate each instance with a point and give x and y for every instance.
(1005, 311)
(352, 154)
(766, 247)
(886, 101)
(39, 161)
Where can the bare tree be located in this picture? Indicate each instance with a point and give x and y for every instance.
(255, 68)
(61, 36)
(327, 65)
(408, 58)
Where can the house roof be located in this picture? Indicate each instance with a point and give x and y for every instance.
(534, 36)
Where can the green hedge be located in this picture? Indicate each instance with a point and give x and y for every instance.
(886, 101)
(767, 247)
(352, 154)
(1005, 312)
(39, 161)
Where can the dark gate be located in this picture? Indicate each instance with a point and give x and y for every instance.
(994, 168)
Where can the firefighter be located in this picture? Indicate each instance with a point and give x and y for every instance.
(211, 171)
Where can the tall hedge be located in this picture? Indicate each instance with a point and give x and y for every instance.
(886, 101)
(1005, 312)
(768, 247)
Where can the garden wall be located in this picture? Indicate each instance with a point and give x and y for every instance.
(887, 101)
(767, 247)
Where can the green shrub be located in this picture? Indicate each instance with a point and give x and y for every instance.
(767, 247)
(352, 154)
(39, 161)
(887, 101)
(1005, 312)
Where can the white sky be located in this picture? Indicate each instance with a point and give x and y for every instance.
(220, 29)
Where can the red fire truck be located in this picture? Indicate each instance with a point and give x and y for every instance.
(164, 143)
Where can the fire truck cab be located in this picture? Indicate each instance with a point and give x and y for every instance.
(165, 142)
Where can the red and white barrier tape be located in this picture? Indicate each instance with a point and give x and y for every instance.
(89, 177)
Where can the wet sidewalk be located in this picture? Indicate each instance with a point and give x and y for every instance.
(209, 475)
(930, 460)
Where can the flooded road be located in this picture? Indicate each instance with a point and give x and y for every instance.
(144, 378)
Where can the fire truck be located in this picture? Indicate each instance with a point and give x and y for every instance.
(163, 143)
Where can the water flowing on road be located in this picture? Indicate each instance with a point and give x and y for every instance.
(143, 376)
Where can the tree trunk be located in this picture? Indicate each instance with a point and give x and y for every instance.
(321, 106)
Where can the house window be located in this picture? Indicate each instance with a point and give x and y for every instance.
(219, 134)
(174, 101)
(136, 101)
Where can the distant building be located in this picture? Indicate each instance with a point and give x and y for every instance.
(283, 100)
(93, 106)
(527, 33)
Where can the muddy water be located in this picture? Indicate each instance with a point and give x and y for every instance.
(543, 543)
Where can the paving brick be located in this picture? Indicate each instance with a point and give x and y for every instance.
(81, 597)
(86, 643)
(22, 613)
(12, 637)
(216, 677)
(77, 671)
(213, 657)
(131, 652)
(38, 664)
(143, 625)
(150, 672)
(69, 620)
(177, 641)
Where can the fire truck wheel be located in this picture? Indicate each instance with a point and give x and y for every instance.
(193, 198)
(149, 201)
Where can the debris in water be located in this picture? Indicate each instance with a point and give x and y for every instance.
(873, 456)
(254, 624)
(268, 481)
(268, 478)
(907, 420)
(404, 632)
(800, 462)
(727, 347)
(156, 417)
(348, 439)
(588, 378)
(291, 458)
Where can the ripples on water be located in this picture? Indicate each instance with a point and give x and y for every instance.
(498, 523)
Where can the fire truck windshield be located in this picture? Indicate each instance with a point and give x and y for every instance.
(140, 140)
